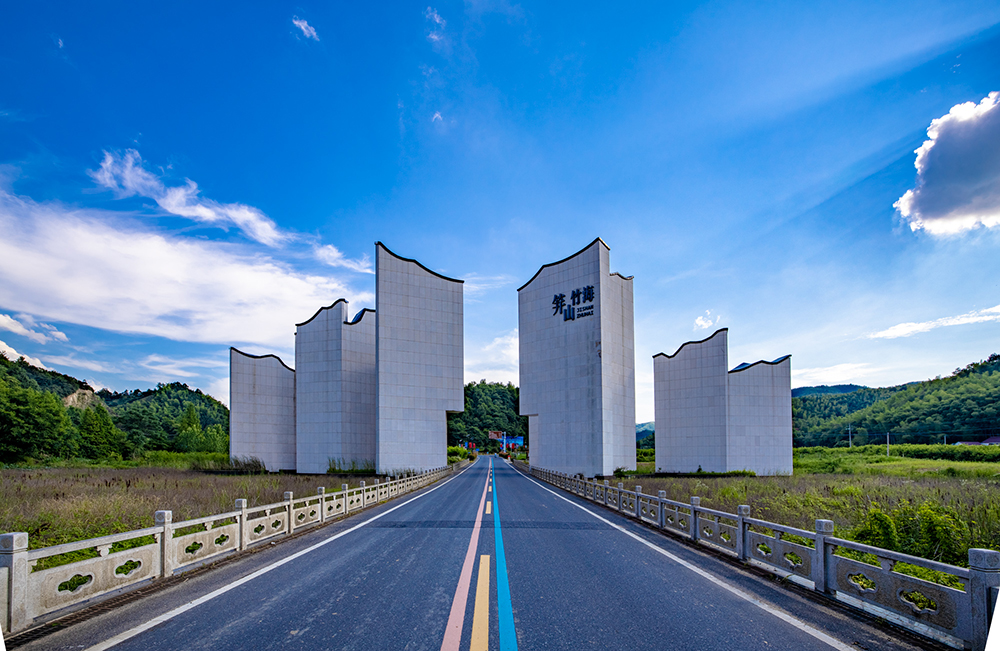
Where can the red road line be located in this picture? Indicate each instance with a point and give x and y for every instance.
(453, 631)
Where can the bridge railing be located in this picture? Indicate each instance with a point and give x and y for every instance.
(877, 580)
(37, 584)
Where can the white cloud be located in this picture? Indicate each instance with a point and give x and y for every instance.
(497, 361)
(476, 284)
(437, 117)
(331, 255)
(125, 175)
(958, 171)
(910, 328)
(11, 324)
(13, 355)
(705, 322)
(436, 32)
(837, 374)
(72, 361)
(307, 30)
(219, 389)
(97, 269)
(168, 367)
(60, 41)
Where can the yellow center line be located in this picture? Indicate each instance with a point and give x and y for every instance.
(481, 615)
(489, 508)
(490, 489)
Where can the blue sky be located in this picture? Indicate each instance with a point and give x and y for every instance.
(178, 179)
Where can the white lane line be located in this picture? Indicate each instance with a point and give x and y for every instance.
(121, 637)
(780, 614)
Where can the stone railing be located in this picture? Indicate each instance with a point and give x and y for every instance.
(860, 575)
(123, 561)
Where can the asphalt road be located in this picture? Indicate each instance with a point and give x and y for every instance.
(411, 574)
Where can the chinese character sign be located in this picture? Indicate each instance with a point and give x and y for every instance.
(578, 304)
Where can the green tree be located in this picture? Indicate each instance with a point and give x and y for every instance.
(99, 438)
(33, 424)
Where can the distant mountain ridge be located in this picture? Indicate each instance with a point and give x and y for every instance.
(825, 389)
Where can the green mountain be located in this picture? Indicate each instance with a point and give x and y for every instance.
(836, 388)
(154, 417)
(962, 407)
(488, 406)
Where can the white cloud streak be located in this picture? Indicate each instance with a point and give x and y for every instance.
(13, 355)
(910, 328)
(24, 326)
(332, 256)
(125, 175)
(436, 32)
(97, 269)
(836, 374)
(307, 30)
(958, 172)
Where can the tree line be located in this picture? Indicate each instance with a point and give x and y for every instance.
(488, 406)
(37, 423)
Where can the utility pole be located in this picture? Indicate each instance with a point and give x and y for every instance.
(886, 442)
(850, 441)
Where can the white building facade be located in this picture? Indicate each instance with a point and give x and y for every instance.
(577, 364)
(420, 358)
(719, 420)
(335, 389)
(371, 391)
(262, 409)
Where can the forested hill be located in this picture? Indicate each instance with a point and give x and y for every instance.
(488, 406)
(156, 414)
(25, 375)
(836, 388)
(962, 407)
(38, 421)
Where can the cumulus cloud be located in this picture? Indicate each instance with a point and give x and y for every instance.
(705, 322)
(958, 172)
(24, 327)
(95, 268)
(331, 255)
(307, 30)
(13, 355)
(910, 328)
(497, 361)
(124, 174)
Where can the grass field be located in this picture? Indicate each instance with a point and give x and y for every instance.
(58, 505)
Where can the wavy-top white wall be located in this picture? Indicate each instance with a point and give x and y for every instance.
(760, 418)
(577, 368)
(420, 359)
(262, 410)
(335, 389)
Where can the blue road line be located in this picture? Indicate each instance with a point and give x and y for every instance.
(508, 638)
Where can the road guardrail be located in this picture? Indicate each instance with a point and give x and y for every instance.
(860, 575)
(124, 561)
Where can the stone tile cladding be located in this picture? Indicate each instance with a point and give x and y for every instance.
(419, 358)
(721, 420)
(262, 410)
(577, 376)
(335, 389)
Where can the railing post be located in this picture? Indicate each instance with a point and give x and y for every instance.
(695, 502)
(638, 508)
(824, 528)
(165, 519)
(321, 491)
(660, 519)
(347, 501)
(288, 509)
(364, 496)
(607, 485)
(244, 539)
(984, 571)
(14, 556)
(742, 511)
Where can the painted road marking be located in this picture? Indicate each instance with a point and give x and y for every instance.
(481, 615)
(508, 637)
(490, 488)
(456, 619)
(156, 621)
(489, 508)
(780, 614)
